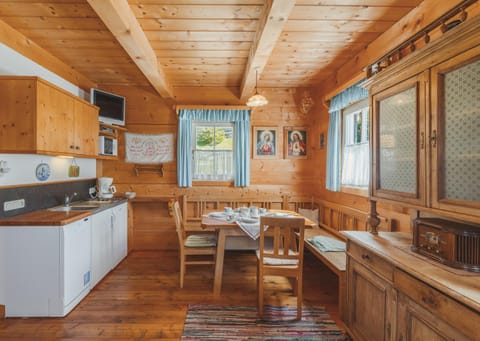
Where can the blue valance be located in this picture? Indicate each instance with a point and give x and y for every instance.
(350, 95)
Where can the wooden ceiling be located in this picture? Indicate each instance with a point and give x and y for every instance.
(183, 43)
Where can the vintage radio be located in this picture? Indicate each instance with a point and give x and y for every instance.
(451, 243)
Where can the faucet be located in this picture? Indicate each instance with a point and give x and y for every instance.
(69, 198)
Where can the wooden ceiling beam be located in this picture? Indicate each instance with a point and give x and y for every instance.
(418, 18)
(120, 20)
(270, 27)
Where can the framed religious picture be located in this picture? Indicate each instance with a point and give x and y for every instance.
(264, 142)
(295, 143)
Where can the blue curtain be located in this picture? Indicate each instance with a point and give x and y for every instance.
(333, 152)
(350, 95)
(241, 158)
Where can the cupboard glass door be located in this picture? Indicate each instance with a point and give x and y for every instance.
(455, 136)
(399, 141)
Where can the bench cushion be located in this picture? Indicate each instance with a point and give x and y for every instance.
(201, 240)
(327, 244)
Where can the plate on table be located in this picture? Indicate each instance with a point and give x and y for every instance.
(217, 215)
(278, 214)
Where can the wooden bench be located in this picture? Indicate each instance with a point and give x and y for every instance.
(335, 261)
(334, 218)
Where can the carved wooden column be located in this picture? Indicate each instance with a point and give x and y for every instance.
(373, 219)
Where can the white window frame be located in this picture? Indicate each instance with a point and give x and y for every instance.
(355, 153)
(212, 177)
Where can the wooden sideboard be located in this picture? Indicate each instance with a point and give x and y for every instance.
(395, 294)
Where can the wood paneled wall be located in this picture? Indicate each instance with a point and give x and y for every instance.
(149, 113)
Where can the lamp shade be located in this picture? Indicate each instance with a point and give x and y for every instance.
(257, 100)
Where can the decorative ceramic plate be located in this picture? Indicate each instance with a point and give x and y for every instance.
(43, 171)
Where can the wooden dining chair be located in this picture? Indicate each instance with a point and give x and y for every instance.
(284, 258)
(195, 249)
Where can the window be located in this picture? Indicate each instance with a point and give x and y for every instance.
(212, 151)
(355, 146)
(235, 124)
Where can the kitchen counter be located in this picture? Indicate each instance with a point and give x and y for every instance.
(49, 217)
(45, 218)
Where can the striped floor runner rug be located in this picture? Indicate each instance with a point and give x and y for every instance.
(213, 322)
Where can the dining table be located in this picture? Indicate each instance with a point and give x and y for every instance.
(227, 228)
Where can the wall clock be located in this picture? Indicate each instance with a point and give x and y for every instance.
(43, 171)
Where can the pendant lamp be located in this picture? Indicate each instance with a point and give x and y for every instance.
(257, 100)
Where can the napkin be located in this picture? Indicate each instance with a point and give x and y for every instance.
(250, 226)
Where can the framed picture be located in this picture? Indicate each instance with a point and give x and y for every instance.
(295, 142)
(264, 142)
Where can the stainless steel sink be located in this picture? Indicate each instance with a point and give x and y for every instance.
(74, 208)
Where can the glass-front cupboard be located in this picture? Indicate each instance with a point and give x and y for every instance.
(426, 125)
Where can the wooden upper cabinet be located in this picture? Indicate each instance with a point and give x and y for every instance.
(54, 119)
(38, 117)
(399, 141)
(85, 137)
(455, 136)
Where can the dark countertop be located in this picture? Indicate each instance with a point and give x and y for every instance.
(49, 217)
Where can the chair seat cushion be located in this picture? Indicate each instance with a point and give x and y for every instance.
(201, 240)
(278, 261)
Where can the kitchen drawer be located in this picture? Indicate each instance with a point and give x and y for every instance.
(371, 260)
(447, 309)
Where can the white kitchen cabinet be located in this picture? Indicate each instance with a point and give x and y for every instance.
(47, 268)
(109, 240)
(101, 244)
(120, 233)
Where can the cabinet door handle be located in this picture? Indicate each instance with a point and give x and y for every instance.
(422, 140)
(429, 300)
(434, 138)
(365, 256)
(77, 147)
(71, 147)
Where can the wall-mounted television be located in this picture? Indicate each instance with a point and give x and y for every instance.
(112, 107)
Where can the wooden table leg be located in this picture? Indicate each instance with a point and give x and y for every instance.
(217, 284)
(342, 299)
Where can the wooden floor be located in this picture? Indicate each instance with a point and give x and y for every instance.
(141, 300)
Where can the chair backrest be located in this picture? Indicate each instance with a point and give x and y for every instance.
(283, 230)
(177, 215)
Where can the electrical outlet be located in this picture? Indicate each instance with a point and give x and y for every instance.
(13, 205)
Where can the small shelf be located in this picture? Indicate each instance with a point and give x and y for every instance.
(104, 133)
(110, 130)
(106, 157)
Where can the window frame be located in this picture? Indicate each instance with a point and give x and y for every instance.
(353, 108)
(213, 181)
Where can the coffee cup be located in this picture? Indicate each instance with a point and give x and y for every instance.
(228, 210)
(253, 211)
(244, 212)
